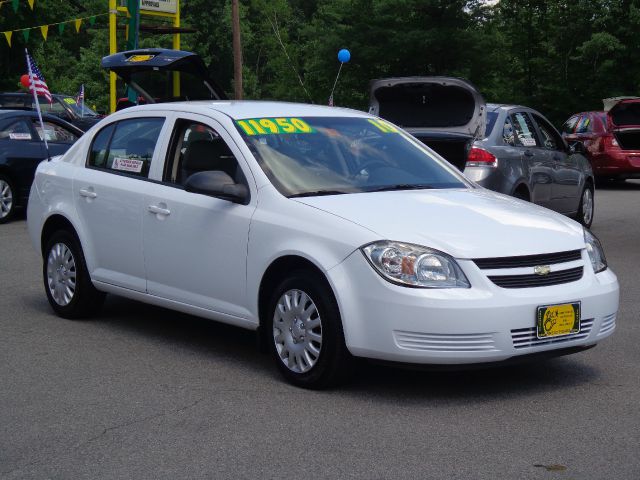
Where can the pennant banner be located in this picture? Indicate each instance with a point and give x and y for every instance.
(31, 2)
(78, 22)
(61, 28)
(15, 4)
(8, 35)
(44, 29)
(25, 34)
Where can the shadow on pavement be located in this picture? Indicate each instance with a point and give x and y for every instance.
(628, 185)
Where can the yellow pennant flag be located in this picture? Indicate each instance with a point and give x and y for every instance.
(8, 37)
(31, 2)
(78, 23)
(44, 29)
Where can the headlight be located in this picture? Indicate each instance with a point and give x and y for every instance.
(595, 251)
(415, 266)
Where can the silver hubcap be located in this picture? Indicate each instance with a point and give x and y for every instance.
(6, 199)
(587, 206)
(297, 331)
(61, 274)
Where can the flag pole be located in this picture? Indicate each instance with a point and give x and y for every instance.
(32, 87)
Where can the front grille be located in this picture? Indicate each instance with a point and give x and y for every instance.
(533, 280)
(608, 324)
(526, 337)
(528, 260)
(441, 342)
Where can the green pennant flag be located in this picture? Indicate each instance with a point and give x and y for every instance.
(92, 21)
(25, 34)
(61, 28)
(15, 4)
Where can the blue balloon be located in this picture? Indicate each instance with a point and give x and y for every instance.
(344, 55)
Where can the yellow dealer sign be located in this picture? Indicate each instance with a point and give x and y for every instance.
(165, 6)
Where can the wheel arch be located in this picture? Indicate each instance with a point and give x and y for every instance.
(276, 271)
(53, 224)
(521, 186)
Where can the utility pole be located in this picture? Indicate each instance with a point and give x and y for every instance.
(237, 50)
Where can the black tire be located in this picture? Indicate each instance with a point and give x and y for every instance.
(6, 188)
(582, 216)
(85, 300)
(334, 364)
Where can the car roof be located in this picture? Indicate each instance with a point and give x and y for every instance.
(493, 107)
(240, 109)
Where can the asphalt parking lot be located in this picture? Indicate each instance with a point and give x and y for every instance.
(142, 392)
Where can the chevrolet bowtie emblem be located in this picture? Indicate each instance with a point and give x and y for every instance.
(542, 270)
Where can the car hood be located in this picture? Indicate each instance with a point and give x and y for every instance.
(469, 223)
(430, 104)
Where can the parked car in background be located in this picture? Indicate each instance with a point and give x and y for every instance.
(330, 232)
(611, 138)
(510, 149)
(523, 155)
(62, 106)
(22, 149)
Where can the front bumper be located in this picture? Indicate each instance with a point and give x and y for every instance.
(481, 324)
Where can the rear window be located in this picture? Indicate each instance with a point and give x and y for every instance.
(491, 121)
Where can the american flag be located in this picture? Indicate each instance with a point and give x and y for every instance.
(80, 97)
(38, 82)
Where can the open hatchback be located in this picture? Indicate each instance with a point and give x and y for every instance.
(447, 114)
(161, 75)
(623, 119)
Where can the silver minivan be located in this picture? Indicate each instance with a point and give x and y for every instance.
(510, 149)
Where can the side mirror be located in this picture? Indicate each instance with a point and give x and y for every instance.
(577, 147)
(217, 184)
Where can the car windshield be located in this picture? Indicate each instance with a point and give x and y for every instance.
(79, 109)
(307, 156)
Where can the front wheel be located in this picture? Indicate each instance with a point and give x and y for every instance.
(305, 333)
(7, 200)
(66, 279)
(586, 207)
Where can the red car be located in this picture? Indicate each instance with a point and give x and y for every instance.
(611, 138)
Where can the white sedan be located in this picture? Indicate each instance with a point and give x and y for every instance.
(332, 233)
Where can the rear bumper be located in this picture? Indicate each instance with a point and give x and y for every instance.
(617, 163)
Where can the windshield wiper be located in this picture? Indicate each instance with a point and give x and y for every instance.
(318, 193)
(402, 186)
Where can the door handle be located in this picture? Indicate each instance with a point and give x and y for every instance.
(87, 192)
(159, 209)
(528, 153)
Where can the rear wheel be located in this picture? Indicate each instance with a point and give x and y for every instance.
(66, 279)
(586, 207)
(305, 334)
(7, 199)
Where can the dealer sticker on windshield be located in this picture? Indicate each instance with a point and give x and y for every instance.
(139, 58)
(127, 165)
(383, 126)
(272, 126)
(556, 320)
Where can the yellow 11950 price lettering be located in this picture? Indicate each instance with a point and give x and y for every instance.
(267, 126)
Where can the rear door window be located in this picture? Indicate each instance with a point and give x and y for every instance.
(584, 125)
(54, 133)
(126, 147)
(570, 125)
(18, 130)
(524, 131)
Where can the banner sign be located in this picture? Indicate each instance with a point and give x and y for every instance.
(164, 6)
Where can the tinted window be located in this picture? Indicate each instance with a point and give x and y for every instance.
(524, 131)
(18, 130)
(550, 138)
(197, 148)
(333, 155)
(570, 124)
(491, 121)
(129, 149)
(12, 101)
(54, 133)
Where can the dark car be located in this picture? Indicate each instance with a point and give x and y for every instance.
(507, 148)
(22, 149)
(62, 106)
(611, 138)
